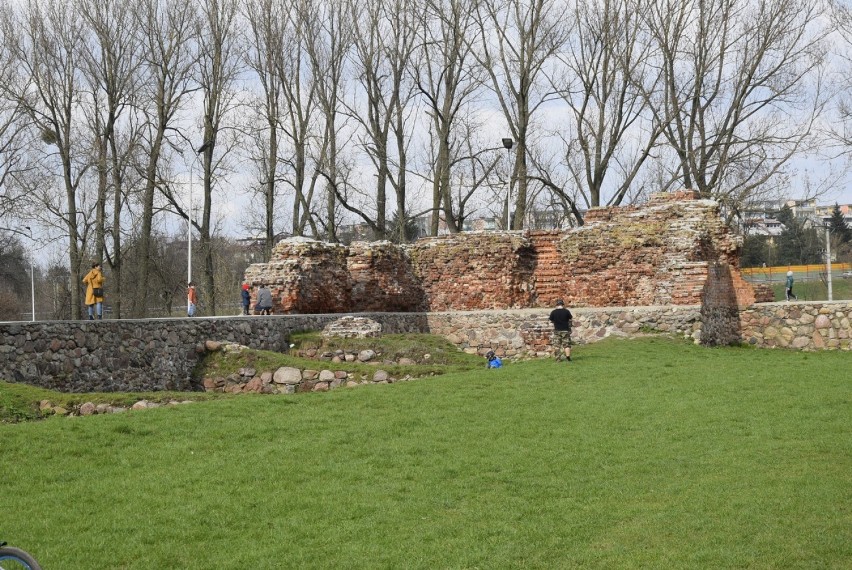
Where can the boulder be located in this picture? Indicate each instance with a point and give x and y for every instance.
(287, 375)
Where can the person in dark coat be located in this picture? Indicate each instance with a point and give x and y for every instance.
(263, 306)
(562, 320)
(246, 297)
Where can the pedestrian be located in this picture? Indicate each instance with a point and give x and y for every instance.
(191, 299)
(788, 287)
(94, 281)
(493, 360)
(263, 306)
(246, 296)
(562, 320)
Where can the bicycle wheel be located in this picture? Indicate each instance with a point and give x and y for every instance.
(16, 559)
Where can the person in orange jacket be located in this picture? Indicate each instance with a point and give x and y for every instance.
(191, 299)
(94, 281)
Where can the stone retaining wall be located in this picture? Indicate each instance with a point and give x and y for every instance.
(160, 354)
(800, 325)
(527, 332)
(144, 355)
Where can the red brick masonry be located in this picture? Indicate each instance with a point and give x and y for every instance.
(674, 250)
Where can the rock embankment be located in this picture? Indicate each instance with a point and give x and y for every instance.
(323, 377)
(48, 408)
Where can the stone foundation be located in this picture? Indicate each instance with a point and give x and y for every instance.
(160, 354)
(799, 325)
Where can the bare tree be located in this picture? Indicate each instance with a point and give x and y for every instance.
(218, 69)
(840, 131)
(742, 89)
(448, 77)
(518, 39)
(111, 56)
(605, 81)
(266, 22)
(328, 41)
(384, 41)
(168, 30)
(16, 136)
(44, 39)
(299, 109)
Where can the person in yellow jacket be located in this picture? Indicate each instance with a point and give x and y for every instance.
(94, 281)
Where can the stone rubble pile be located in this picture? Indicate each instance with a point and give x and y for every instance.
(47, 408)
(289, 380)
(352, 327)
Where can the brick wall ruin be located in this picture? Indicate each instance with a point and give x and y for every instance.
(674, 250)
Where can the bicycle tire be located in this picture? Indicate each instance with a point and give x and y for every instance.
(12, 558)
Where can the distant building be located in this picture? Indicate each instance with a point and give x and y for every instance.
(253, 246)
(759, 218)
(762, 226)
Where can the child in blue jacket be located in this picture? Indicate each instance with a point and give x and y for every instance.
(493, 360)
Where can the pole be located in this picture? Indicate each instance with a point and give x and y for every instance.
(189, 227)
(32, 272)
(828, 260)
(508, 199)
(202, 148)
(507, 144)
(32, 283)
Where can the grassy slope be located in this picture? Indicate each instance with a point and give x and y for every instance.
(640, 454)
(816, 290)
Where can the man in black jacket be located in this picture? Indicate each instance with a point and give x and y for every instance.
(562, 321)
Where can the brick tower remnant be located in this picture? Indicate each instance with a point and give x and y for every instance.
(655, 254)
(305, 276)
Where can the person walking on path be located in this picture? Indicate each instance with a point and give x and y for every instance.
(562, 320)
(191, 299)
(94, 281)
(246, 296)
(788, 286)
(263, 306)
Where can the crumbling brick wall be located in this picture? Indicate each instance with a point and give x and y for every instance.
(657, 254)
(670, 251)
(477, 270)
(305, 276)
(382, 279)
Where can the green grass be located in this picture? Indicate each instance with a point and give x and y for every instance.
(648, 453)
(20, 402)
(816, 290)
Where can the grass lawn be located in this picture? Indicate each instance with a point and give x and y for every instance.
(645, 453)
(815, 289)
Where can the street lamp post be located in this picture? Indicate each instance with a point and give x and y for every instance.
(189, 226)
(507, 144)
(828, 259)
(198, 152)
(32, 272)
